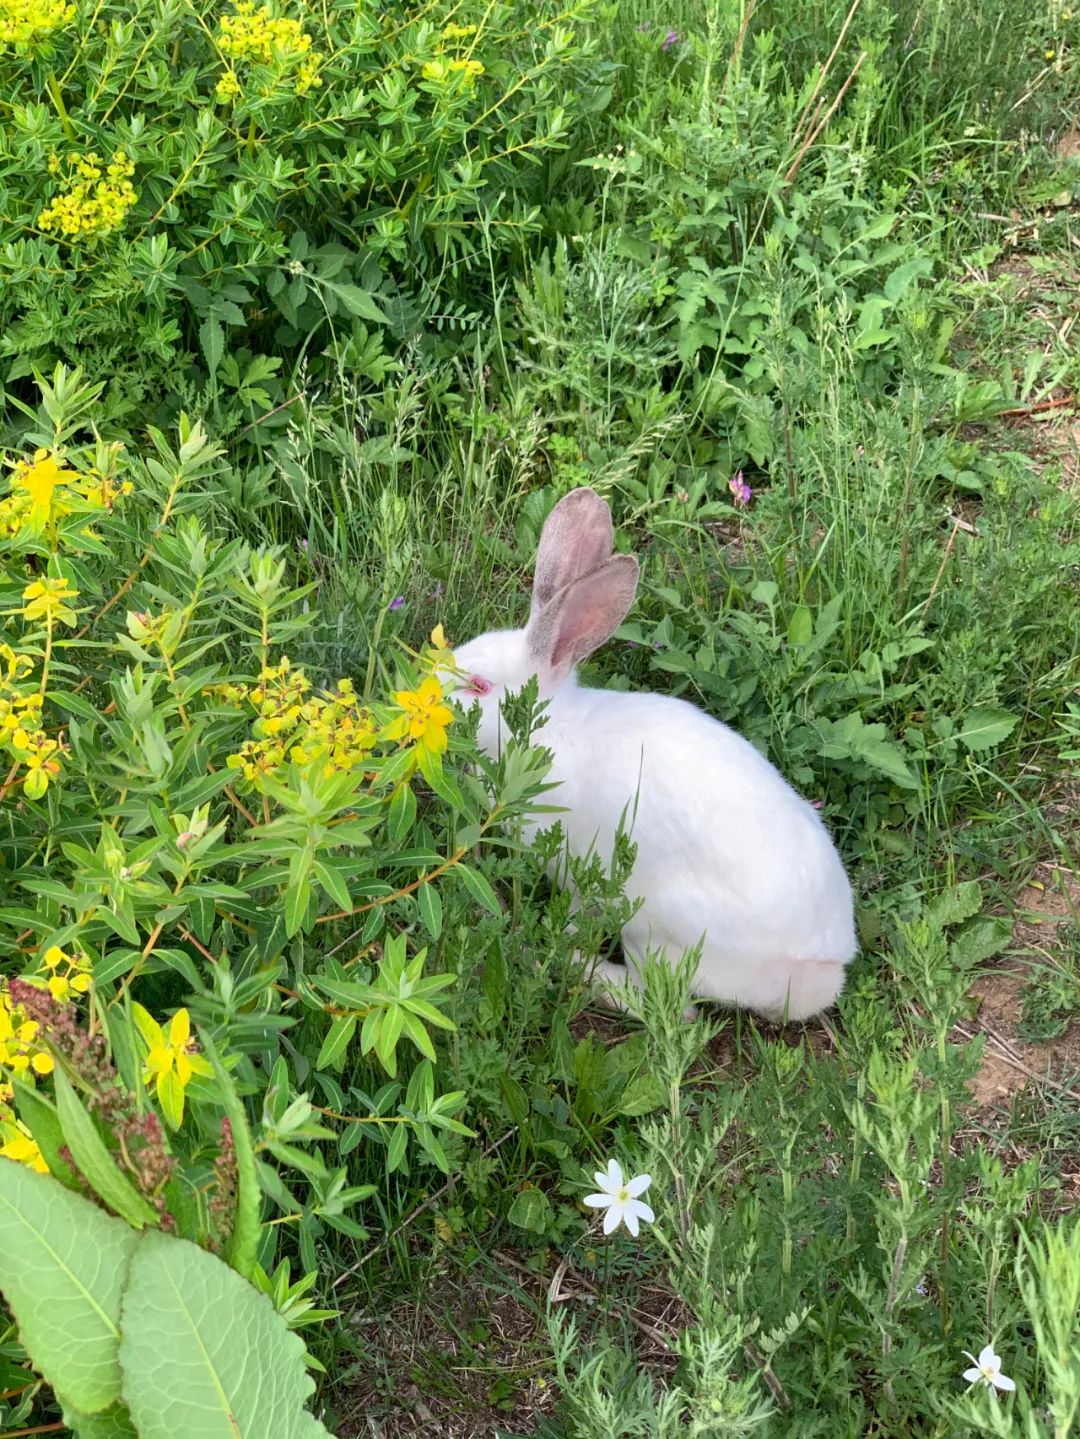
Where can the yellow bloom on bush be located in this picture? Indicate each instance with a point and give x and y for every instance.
(42, 766)
(259, 37)
(96, 200)
(19, 1047)
(424, 719)
(39, 478)
(332, 731)
(43, 490)
(49, 600)
(17, 1143)
(171, 1062)
(458, 32)
(24, 22)
(68, 974)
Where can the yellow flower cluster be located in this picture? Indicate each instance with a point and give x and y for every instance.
(96, 200)
(259, 37)
(43, 492)
(445, 69)
(332, 731)
(19, 1049)
(20, 725)
(23, 22)
(19, 1052)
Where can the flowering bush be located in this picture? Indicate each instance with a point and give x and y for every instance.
(234, 851)
(276, 170)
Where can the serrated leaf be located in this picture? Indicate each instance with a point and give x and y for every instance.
(956, 904)
(205, 1353)
(63, 1264)
(642, 1096)
(984, 728)
(96, 1164)
(212, 340)
(531, 1210)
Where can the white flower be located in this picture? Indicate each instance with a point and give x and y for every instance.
(988, 1368)
(619, 1197)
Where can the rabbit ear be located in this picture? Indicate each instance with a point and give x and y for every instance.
(583, 615)
(576, 538)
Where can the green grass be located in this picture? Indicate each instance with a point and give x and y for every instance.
(838, 1219)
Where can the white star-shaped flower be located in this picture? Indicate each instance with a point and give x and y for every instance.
(988, 1368)
(621, 1198)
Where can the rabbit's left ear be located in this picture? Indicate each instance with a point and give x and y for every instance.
(583, 615)
(576, 538)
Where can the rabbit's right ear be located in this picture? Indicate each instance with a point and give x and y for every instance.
(582, 616)
(576, 538)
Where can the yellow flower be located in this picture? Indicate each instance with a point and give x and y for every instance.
(41, 767)
(96, 201)
(458, 32)
(19, 1050)
(50, 599)
(170, 1063)
(425, 718)
(21, 1146)
(23, 22)
(258, 37)
(228, 87)
(39, 478)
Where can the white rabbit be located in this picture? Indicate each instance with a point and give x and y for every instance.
(725, 847)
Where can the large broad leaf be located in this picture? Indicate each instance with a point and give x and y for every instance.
(63, 1264)
(984, 728)
(203, 1353)
(111, 1423)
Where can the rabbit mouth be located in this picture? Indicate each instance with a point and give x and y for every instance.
(477, 685)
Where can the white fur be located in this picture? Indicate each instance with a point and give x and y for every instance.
(726, 850)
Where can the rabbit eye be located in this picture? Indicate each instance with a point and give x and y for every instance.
(478, 686)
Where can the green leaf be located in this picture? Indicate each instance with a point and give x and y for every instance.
(112, 1423)
(984, 728)
(800, 626)
(204, 1353)
(401, 814)
(296, 905)
(96, 1164)
(336, 1042)
(63, 1263)
(478, 887)
(358, 302)
(642, 1096)
(40, 1117)
(954, 905)
(212, 340)
(531, 1210)
(331, 880)
(243, 1243)
(427, 897)
(905, 275)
